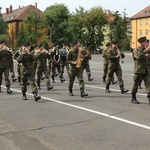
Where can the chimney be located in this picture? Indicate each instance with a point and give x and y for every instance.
(35, 5)
(10, 9)
(7, 11)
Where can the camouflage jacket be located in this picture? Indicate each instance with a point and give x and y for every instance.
(27, 63)
(140, 61)
(6, 60)
(113, 61)
(86, 56)
(104, 54)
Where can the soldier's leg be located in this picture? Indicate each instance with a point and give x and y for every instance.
(109, 78)
(88, 71)
(53, 72)
(60, 74)
(7, 81)
(39, 72)
(146, 79)
(137, 79)
(33, 87)
(62, 66)
(81, 82)
(71, 80)
(120, 80)
(48, 84)
(105, 70)
(67, 67)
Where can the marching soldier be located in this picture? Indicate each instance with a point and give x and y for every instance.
(26, 59)
(6, 64)
(105, 64)
(16, 55)
(141, 68)
(41, 56)
(74, 59)
(86, 56)
(56, 60)
(63, 54)
(114, 55)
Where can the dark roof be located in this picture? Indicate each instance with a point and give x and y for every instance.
(142, 14)
(19, 14)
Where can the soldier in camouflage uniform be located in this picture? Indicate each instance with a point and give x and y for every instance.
(74, 71)
(41, 56)
(63, 58)
(105, 65)
(86, 56)
(26, 60)
(56, 60)
(6, 64)
(141, 68)
(16, 55)
(114, 55)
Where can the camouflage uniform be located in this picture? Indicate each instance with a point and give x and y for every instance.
(41, 58)
(75, 72)
(6, 64)
(141, 70)
(26, 59)
(114, 67)
(85, 63)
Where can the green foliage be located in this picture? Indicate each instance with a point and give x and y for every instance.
(56, 20)
(119, 31)
(30, 29)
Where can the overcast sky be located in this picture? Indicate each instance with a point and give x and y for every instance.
(132, 6)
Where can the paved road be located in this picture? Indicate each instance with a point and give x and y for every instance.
(101, 121)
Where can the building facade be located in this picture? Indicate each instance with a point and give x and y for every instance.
(140, 26)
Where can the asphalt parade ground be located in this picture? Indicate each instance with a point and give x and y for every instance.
(101, 121)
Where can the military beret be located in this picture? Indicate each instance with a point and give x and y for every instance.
(115, 42)
(147, 40)
(20, 44)
(27, 44)
(1, 42)
(55, 44)
(142, 39)
(107, 44)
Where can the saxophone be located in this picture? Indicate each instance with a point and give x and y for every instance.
(79, 60)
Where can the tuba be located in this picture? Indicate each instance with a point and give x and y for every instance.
(79, 60)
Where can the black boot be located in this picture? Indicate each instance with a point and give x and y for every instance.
(49, 87)
(14, 79)
(107, 89)
(36, 97)
(24, 96)
(8, 90)
(139, 86)
(62, 80)
(70, 92)
(123, 90)
(134, 100)
(83, 94)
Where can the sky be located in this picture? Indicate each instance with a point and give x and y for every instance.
(132, 6)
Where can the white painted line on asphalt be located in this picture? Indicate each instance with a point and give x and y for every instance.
(92, 111)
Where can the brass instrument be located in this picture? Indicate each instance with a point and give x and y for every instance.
(79, 60)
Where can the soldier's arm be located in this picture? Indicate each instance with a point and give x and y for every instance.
(110, 56)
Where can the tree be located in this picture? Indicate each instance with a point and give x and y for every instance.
(56, 20)
(3, 28)
(31, 29)
(119, 31)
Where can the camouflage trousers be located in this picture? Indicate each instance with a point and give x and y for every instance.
(111, 72)
(73, 74)
(87, 69)
(6, 76)
(137, 80)
(24, 81)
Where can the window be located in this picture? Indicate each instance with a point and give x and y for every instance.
(146, 21)
(140, 22)
(140, 32)
(146, 31)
